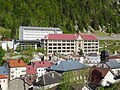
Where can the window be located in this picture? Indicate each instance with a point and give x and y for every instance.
(54, 47)
(50, 44)
(59, 47)
(68, 47)
(50, 47)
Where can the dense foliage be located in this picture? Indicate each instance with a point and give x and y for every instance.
(2, 53)
(70, 15)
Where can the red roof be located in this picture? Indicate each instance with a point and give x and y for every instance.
(16, 63)
(69, 37)
(2, 76)
(30, 70)
(88, 37)
(43, 64)
(103, 71)
(61, 37)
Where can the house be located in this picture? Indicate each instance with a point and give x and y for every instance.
(36, 33)
(30, 71)
(41, 67)
(18, 84)
(3, 82)
(49, 80)
(66, 65)
(3, 70)
(16, 68)
(70, 43)
(103, 76)
(111, 64)
(7, 43)
(91, 59)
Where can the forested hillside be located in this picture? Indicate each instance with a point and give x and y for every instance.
(71, 16)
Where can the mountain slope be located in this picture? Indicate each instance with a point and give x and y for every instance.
(70, 15)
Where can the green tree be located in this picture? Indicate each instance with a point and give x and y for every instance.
(40, 50)
(2, 53)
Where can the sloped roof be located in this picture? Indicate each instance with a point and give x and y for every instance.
(61, 37)
(2, 76)
(49, 78)
(42, 64)
(16, 63)
(67, 65)
(30, 70)
(88, 37)
(69, 37)
(3, 70)
(103, 71)
(113, 64)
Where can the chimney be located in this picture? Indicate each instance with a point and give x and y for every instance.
(18, 61)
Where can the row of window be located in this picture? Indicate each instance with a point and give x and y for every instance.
(59, 51)
(90, 43)
(61, 44)
(90, 50)
(61, 48)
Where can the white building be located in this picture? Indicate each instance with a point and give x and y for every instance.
(7, 44)
(36, 33)
(41, 67)
(3, 82)
(92, 59)
(71, 43)
(16, 68)
(108, 77)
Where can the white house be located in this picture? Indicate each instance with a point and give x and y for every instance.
(108, 77)
(3, 82)
(41, 67)
(36, 33)
(70, 43)
(7, 44)
(92, 59)
(112, 64)
(16, 68)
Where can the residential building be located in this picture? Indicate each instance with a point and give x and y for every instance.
(36, 33)
(41, 67)
(49, 80)
(66, 65)
(70, 43)
(30, 71)
(7, 43)
(103, 76)
(92, 59)
(112, 64)
(3, 82)
(16, 68)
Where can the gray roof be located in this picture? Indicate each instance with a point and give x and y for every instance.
(113, 63)
(49, 78)
(3, 70)
(67, 65)
(39, 28)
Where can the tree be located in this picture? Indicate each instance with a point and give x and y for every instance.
(2, 53)
(40, 50)
(81, 52)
